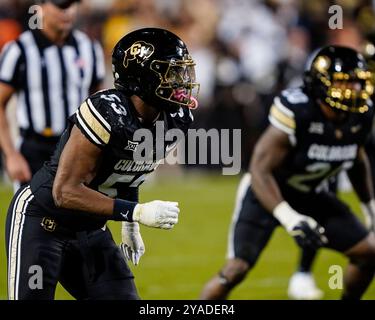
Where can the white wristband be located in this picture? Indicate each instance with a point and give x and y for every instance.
(286, 215)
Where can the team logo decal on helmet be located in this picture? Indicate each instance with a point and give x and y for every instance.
(140, 51)
(339, 77)
(322, 64)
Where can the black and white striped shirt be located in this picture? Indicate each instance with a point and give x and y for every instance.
(50, 81)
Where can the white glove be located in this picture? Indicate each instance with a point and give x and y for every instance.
(157, 214)
(132, 245)
(304, 229)
(368, 210)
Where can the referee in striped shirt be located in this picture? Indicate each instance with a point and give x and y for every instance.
(51, 71)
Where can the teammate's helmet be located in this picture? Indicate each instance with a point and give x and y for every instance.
(155, 65)
(339, 77)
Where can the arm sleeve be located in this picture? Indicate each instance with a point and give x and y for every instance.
(10, 59)
(93, 122)
(283, 118)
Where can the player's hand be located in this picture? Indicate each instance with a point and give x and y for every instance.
(17, 167)
(308, 233)
(132, 245)
(157, 214)
(305, 230)
(368, 210)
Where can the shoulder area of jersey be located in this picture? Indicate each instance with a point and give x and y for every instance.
(111, 102)
(289, 107)
(293, 96)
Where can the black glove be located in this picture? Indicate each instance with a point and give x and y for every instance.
(309, 234)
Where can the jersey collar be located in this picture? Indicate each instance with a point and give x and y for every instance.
(43, 42)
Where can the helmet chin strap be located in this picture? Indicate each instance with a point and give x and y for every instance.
(152, 122)
(157, 118)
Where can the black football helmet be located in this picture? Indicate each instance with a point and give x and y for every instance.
(339, 77)
(155, 65)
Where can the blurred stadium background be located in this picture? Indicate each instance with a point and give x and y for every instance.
(246, 51)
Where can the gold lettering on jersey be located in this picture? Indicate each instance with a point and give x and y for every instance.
(332, 153)
(99, 130)
(139, 51)
(132, 166)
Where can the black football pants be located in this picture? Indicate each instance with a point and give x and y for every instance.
(88, 264)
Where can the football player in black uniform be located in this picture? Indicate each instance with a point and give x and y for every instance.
(302, 284)
(315, 132)
(58, 222)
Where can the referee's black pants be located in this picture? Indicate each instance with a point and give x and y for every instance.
(41, 253)
(37, 149)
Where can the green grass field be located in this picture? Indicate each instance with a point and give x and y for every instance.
(177, 263)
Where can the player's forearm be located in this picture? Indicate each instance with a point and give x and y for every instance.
(79, 197)
(6, 142)
(360, 177)
(266, 189)
(156, 214)
(269, 153)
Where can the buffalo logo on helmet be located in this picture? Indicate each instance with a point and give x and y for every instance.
(139, 51)
(322, 64)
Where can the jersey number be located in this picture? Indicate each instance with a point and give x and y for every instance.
(107, 187)
(316, 171)
(115, 103)
(295, 96)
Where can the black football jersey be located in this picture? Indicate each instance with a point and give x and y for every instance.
(321, 148)
(108, 119)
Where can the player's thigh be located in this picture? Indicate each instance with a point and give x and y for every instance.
(33, 254)
(344, 231)
(73, 272)
(342, 228)
(93, 268)
(251, 227)
(109, 275)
